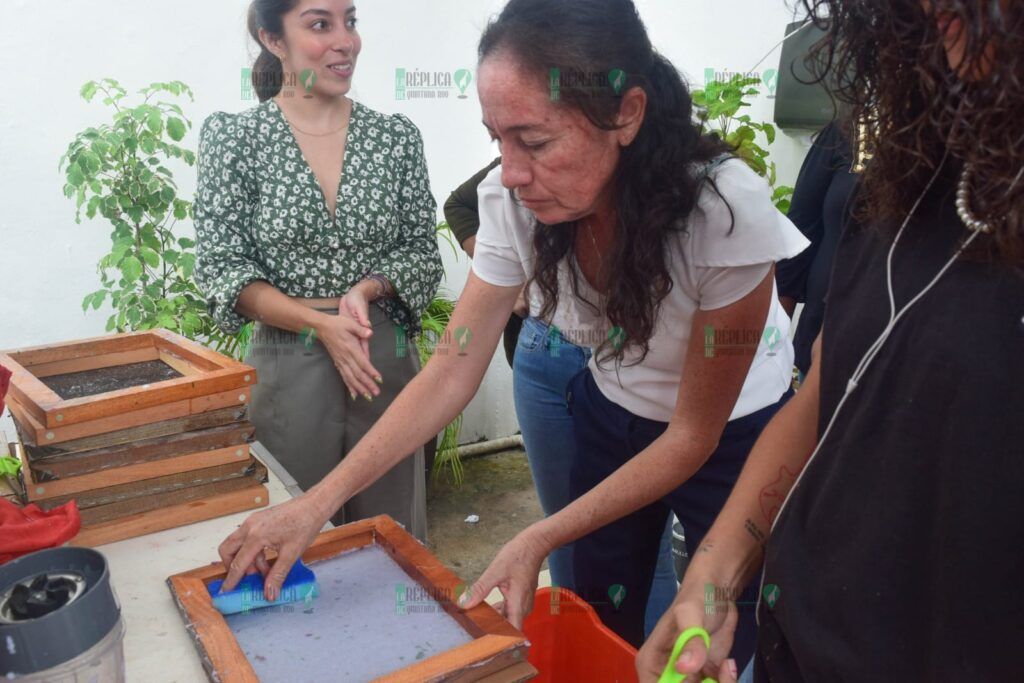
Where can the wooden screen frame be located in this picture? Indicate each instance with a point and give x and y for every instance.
(209, 380)
(496, 647)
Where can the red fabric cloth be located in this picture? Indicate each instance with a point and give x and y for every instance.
(25, 530)
(5, 383)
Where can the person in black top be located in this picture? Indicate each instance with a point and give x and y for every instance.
(819, 208)
(885, 497)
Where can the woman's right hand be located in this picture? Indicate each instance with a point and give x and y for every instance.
(345, 340)
(690, 609)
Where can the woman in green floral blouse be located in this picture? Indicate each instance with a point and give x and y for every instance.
(336, 262)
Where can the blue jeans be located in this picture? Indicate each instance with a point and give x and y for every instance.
(665, 583)
(543, 365)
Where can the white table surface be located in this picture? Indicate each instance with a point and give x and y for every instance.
(157, 648)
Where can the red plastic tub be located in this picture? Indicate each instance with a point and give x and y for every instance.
(568, 642)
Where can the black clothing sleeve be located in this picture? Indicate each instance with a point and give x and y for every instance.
(461, 209)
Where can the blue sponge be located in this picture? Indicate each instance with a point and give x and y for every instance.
(299, 585)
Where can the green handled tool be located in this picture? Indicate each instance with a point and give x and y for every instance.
(670, 675)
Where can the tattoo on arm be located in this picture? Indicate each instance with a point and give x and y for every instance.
(754, 531)
(705, 547)
(774, 493)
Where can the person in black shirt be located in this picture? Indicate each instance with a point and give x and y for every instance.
(885, 497)
(819, 208)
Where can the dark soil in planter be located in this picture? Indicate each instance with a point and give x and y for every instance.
(101, 380)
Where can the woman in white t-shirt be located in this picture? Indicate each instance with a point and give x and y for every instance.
(599, 145)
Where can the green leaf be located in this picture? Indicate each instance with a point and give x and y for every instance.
(75, 176)
(769, 131)
(131, 269)
(88, 91)
(781, 191)
(187, 263)
(155, 122)
(175, 128)
(151, 258)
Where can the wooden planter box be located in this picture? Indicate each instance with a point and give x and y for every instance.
(495, 650)
(187, 379)
(135, 500)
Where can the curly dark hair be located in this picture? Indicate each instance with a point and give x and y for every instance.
(886, 59)
(658, 178)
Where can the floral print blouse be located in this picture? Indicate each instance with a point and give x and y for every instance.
(260, 214)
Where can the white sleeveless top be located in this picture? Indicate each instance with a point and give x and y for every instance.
(710, 268)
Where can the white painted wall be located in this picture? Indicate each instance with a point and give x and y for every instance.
(47, 262)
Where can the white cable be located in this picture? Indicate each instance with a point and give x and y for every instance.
(774, 47)
(872, 352)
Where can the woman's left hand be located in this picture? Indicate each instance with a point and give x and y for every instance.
(514, 572)
(356, 305)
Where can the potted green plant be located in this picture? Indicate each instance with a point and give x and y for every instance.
(718, 107)
(118, 170)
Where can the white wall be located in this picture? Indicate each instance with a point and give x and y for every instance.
(47, 262)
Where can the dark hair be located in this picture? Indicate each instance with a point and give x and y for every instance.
(658, 178)
(267, 71)
(887, 60)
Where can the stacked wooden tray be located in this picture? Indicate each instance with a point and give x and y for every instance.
(145, 431)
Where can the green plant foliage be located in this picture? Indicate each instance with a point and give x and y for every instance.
(435, 321)
(718, 107)
(118, 171)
